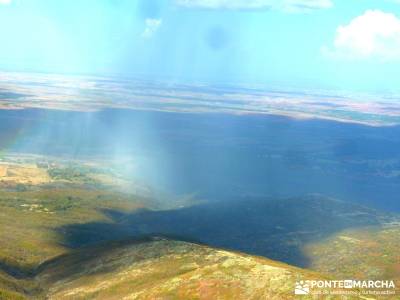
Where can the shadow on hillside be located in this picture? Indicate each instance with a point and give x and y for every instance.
(34, 282)
(92, 255)
(14, 270)
(276, 229)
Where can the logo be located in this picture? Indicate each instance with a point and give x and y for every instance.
(345, 287)
(302, 288)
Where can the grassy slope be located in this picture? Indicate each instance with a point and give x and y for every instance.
(11, 288)
(167, 269)
(31, 243)
(9, 295)
(147, 270)
(363, 253)
(158, 268)
(29, 234)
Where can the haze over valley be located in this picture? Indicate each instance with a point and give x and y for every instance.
(125, 180)
(199, 149)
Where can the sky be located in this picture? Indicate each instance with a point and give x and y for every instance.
(343, 44)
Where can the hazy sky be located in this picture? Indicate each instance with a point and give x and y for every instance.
(351, 44)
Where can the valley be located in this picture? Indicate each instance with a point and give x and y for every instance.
(66, 234)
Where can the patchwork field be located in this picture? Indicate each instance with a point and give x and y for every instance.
(23, 174)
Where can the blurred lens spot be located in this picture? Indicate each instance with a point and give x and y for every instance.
(217, 38)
